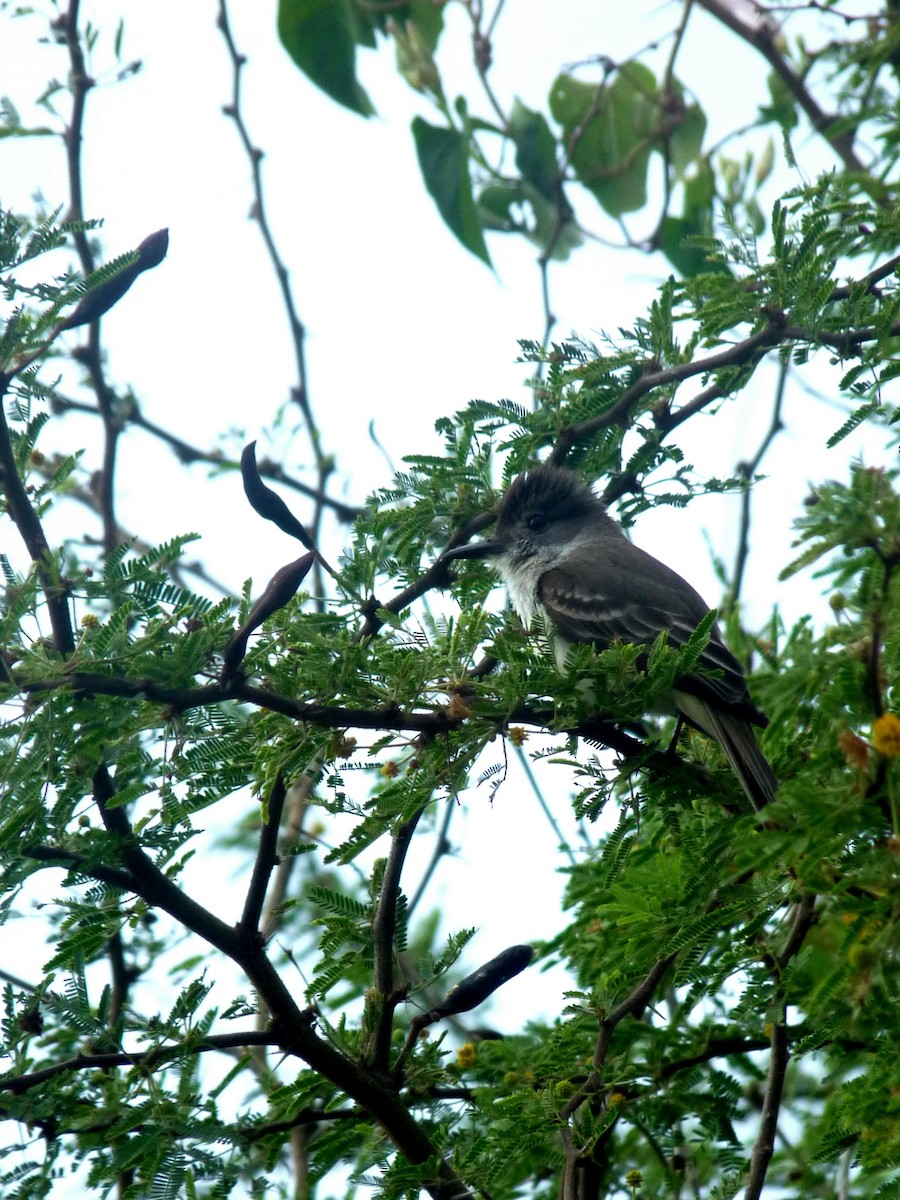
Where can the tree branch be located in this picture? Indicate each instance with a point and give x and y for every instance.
(147, 1058)
(384, 929)
(803, 919)
(764, 1146)
(266, 858)
(762, 38)
(31, 532)
(748, 469)
(80, 84)
(292, 1027)
(300, 392)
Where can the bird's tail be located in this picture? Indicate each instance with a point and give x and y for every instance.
(736, 737)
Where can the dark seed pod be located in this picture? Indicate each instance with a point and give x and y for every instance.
(281, 587)
(268, 503)
(100, 300)
(475, 988)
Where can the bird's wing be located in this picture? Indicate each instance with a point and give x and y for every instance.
(623, 594)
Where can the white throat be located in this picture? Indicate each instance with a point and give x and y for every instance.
(521, 577)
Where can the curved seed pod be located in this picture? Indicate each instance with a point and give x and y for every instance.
(268, 503)
(475, 988)
(100, 299)
(281, 587)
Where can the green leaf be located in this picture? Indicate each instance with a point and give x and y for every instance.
(535, 149)
(673, 237)
(318, 35)
(428, 18)
(783, 107)
(686, 241)
(514, 206)
(611, 131)
(444, 161)
(855, 419)
(686, 137)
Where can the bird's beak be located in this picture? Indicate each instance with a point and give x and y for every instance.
(485, 549)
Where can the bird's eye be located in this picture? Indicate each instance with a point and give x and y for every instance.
(538, 522)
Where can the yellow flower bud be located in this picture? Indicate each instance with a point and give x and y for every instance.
(886, 735)
(465, 1055)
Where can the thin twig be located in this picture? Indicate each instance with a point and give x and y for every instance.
(298, 799)
(441, 847)
(544, 806)
(300, 391)
(748, 470)
(254, 157)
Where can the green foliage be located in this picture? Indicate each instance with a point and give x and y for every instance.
(320, 37)
(444, 162)
(680, 874)
(262, 1026)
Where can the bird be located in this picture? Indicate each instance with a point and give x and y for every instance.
(563, 557)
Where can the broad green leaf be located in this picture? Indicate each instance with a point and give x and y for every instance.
(680, 237)
(517, 207)
(535, 149)
(415, 61)
(686, 138)
(444, 161)
(783, 107)
(318, 35)
(610, 131)
(428, 19)
(686, 259)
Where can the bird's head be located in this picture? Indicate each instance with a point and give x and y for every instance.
(541, 513)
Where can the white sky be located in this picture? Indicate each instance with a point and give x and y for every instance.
(403, 325)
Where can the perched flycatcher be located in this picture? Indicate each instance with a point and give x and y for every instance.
(560, 554)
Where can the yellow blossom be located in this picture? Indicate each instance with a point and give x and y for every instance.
(886, 735)
(516, 734)
(465, 1055)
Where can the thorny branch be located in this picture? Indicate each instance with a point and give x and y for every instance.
(384, 930)
(148, 1058)
(294, 1028)
(266, 858)
(747, 354)
(761, 33)
(300, 392)
(90, 355)
(748, 470)
(803, 919)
